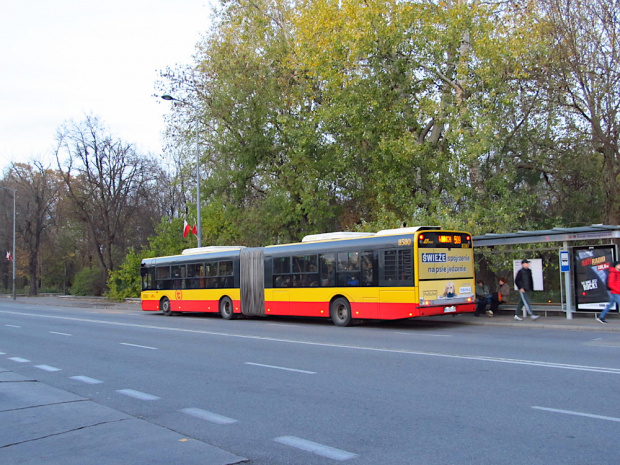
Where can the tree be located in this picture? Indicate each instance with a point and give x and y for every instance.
(584, 72)
(264, 164)
(39, 189)
(415, 96)
(109, 184)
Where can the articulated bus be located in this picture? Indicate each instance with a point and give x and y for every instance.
(389, 275)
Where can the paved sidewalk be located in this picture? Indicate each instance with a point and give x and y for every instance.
(580, 323)
(42, 424)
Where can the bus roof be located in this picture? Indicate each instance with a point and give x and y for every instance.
(212, 248)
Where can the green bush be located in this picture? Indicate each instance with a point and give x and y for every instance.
(126, 282)
(88, 281)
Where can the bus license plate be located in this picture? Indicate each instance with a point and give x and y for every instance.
(449, 309)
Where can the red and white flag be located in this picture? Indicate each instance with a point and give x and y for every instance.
(194, 230)
(186, 229)
(9, 256)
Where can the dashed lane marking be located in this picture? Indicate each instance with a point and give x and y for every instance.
(208, 416)
(61, 334)
(136, 345)
(19, 359)
(281, 368)
(86, 379)
(137, 394)
(46, 368)
(316, 448)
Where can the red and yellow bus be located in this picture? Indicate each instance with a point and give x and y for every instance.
(389, 275)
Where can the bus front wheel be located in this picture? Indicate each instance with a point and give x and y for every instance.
(164, 306)
(340, 312)
(226, 308)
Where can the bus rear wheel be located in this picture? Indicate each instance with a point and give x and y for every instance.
(164, 306)
(340, 312)
(226, 308)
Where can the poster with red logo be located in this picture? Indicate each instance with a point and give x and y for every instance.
(591, 270)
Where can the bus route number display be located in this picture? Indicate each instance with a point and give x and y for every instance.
(445, 239)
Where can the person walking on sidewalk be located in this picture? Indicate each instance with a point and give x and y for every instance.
(613, 284)
(525, 284)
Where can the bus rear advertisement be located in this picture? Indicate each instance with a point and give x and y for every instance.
(392, 274)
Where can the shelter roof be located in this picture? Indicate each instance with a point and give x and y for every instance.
(581, 233)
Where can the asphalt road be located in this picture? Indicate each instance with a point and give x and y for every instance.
(287, 391)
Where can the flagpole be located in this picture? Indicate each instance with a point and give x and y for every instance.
(13, 258)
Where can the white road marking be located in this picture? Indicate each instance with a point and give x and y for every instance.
(579, 414)
(316, 448)
(208, 416)
(281, 368)
(13, 326)
(19, 359)
(46, 368)
(137, 394)
(563, 366)
(86, 379)
(61, 334)
(136, 345)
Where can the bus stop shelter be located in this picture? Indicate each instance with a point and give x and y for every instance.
(584, 255)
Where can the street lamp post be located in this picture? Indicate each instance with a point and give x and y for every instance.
(199, 226)
(13, 256)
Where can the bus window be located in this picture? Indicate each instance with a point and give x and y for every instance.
(163, 272)
(348, 269)
(226, 268)
(178, 275)
(306, 271)
(148, 280)
(328, 269)
(368, 269)
(282, 265)
(282, 272)
(305, 264)
(163, 276)
(194, 272)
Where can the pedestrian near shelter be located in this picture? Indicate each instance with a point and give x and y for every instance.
(584, 256)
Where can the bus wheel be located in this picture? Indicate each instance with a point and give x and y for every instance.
(340, 312)
(164, 306)
(226, 308)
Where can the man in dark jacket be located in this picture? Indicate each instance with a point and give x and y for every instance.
(525, 284)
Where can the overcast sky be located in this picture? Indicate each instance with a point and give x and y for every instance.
(63, 59)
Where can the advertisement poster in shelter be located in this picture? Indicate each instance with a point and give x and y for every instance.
(591, 271)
